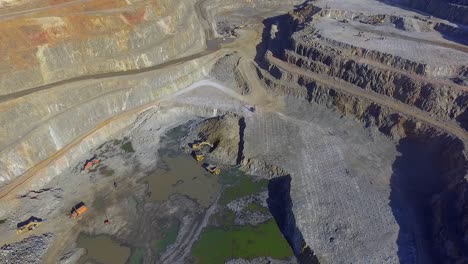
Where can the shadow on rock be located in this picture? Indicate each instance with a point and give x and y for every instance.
(420, 173)
(280, 205)
(444, 9)
(462, 119)
(275, 38)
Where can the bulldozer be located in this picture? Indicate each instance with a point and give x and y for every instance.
(198, 155)
(78, 210)
(199, 145)
(28, 225)
(212, 169)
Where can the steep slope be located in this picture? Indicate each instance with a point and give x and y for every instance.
(454, 10)
(77, 73)
(55, 43)
(360, 60)
(57, 79)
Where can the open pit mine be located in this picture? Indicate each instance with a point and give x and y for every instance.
(234, 131)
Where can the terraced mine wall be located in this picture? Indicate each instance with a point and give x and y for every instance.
(80, 69)
(383, 73)
(239, 12)
(215, 8)
(93, 67)
(447, 29)
(335, 74)
(81, 43)
(441, 100)
(79, 109)
(452, 10)
(165, 39)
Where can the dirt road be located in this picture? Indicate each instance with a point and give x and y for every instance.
(246, 68)
(107, 75)
(355, 91)
(14, 185)
(183, 248)
(10, 15)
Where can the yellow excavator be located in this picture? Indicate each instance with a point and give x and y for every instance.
(197, 147)
(198, 155)
(201, 144)
(28, 225)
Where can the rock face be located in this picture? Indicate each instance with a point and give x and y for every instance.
(85, 48)
(66, 74)
(228, 15)
(454, 10)
(74, 73)
(48, 118)
(225, 134)
(329, 53)
(92, 38)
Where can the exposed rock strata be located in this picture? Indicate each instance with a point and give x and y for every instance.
(49, 117)
(454, 10)
(304, 60)
(329, 64)
(96, 37)
(240, 13)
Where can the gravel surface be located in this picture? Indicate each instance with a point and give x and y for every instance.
(30, 250)
(245, 217)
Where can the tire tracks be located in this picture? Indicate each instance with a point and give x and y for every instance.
(102, 76)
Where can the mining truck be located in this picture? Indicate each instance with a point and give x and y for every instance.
(198, 155)
(201, 144)
(212, 169)
(78, 210)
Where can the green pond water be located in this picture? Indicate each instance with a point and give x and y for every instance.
(102, 249)
(183, 175)
(225, 241)
(178, 172)
(216, 245)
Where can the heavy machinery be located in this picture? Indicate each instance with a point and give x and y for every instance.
(28, 225)
(198, 155)
(78, 210)
(199, 145)
(212, 169)
(90, 163)
(197, 149)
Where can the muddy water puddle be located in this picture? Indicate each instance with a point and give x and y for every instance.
(181, 174)
(177, 172)
(102, 249)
